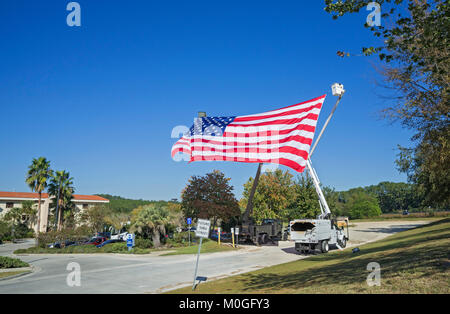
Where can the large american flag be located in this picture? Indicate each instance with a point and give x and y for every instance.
(281, 136)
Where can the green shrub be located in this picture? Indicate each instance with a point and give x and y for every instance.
(76, 235)
(5, 231)
(143, 243)
(22, 231)
(118, 247)
(8, 262)
(364, 209)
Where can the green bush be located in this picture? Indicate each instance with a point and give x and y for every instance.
(118, 247)
(143, 243)
(364, 209)
(77, 235)
(5, 231)
(8, 262)
(22, 231)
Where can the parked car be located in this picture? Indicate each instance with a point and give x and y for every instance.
(108, 242)
(58, 245)
(104, 234)
(120, 236)
(96, 241)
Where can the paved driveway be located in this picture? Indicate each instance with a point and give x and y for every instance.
(114, 273)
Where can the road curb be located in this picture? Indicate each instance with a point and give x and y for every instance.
(28, 271)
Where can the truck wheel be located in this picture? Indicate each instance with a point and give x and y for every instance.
(324, 246)
(259, 241)
(343, 243)
(264, 238)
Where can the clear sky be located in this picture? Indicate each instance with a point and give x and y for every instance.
(101, 100)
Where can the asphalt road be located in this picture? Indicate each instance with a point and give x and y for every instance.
(120, 273)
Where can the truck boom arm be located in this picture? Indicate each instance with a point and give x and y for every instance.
(323, 202)
(249, 208)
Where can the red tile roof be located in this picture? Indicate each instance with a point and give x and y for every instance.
(20, 195)
(89, 198)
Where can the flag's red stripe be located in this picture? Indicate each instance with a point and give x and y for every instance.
(311, 116)
(287, 113)
(281, 161)
(297, 138)
(283, 149)
(181, 150)
(301, 127)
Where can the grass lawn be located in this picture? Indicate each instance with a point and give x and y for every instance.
(84, 249)
(9, 262)
(413, 261)
(121, 248)
(411, 217)
(9, 274)
(207, 247)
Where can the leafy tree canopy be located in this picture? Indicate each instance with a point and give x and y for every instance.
(415, 44)
(210, 196)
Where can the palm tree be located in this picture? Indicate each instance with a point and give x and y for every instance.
(152, 219)
(61, 188)
(38, 173)
(29, 212)
(117, 220)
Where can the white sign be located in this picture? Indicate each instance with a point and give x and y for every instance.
(236, 230)
(202, 230)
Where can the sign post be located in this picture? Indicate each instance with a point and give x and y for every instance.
(130, 241)
(189, 222)
(232, 235)
(202, 231)
(218, 235)
(236, 231)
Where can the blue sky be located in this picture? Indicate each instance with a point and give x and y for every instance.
(101, 100)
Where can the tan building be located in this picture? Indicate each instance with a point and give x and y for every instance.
(10, 200)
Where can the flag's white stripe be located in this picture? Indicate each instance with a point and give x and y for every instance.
(294, 144)
(293, 116)
(272, 127)
(298, 159)
(254, 139)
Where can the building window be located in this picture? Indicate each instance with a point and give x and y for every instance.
(9, 205)
(85, 206)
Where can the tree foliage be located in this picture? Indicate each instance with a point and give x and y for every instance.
(394, 197)
(151, 220)
(37, 176)
(210, 196)
(417, 67)
(126, 205)
(94, 217)
(61, 188)
(272, 197)
(305, 202)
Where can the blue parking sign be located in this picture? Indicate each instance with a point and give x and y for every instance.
(189, 221)
(130, 240)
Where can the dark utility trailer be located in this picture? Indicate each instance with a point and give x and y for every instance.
(269, 230)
